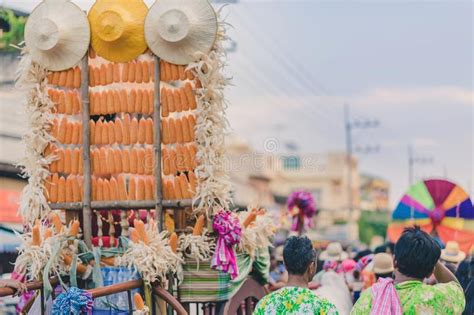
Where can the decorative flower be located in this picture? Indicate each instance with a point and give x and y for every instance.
(301, 206)
(227, 227)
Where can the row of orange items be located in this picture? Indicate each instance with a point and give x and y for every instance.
(67, 132)
(116, 101)
(113, 161)
(132, 72)
(62, 189)
(177, 100)
(69, 161)
(180, 187)
(139, 188)
(179, 130)
(66, 102)
(70, 78)
(126, 131)
(172, 72)
(181, 159)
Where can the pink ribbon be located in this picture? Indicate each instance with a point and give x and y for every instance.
(227, 227)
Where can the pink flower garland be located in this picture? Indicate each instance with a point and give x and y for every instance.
(227, 227)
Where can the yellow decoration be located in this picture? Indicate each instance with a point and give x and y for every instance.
(117, 28)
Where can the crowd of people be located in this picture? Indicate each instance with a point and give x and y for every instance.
(414, 276)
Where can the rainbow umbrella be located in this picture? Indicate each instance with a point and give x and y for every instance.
(436, 205)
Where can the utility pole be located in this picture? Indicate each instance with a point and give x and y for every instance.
(413, 160)
(349, 126)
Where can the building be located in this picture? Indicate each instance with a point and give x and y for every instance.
(374, 193)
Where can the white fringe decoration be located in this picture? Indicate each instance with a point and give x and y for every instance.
(257, 235)
(31, 78)
(213, 191)
(196, 247)
(153, 260)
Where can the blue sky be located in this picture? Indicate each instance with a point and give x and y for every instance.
(408, 64)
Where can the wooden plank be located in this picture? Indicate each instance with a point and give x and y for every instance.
(126, 204)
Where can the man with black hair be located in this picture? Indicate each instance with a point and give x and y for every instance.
(416, 257)
(296, 298)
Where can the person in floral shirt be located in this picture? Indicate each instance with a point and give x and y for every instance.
(416, 257)
(296, 298)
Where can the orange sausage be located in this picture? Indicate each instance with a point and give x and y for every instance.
(77, 78)
(134, 131)
(134, 161)
(118, 127)
(116, 72)
(125, 161)
(141, 131)
(141, 161)
(125, 70)
(126, 129)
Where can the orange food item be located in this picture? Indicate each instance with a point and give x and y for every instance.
(165, 161)
(131, 71)
(62, 189)
(170, 100)
(80, 169)
(68, 103)
(110, 73)
(76, 190)
(100, 189)
(125, 161)
(36, 236)
(177, 101)
(146, 71)
(74, 230)
(110, 102)
(141, 161)
(125, 71)
(55, 79)
(55, 128)
(69, 78)
(126, 129)
(95, 165)
(106, 188)
(189, 74)
(177, 188)
(145, 102)
(139, 102)
(173, 242)
(116, 97)
(116, 72)
(139, 304)
(122, 189)
(140, 227)
(69, 194)
(151, 102)
(61, 102)
(199, 226)
(77, 78)
(192, 126)
(190, 96)
(118, 129)
(104, 133)
(149, 192)
(180, 164)
(251, 217)
(97, 76)
(103, 160)
(151, 67)
(60, 160)
(123, 101)
(75, 161)
(103, 74)
(103, 103)
(62, 130)
(165, 131)
(183, 99)
(111, 132)
(174, 72)
(134, 131)
(169, 73)
(75, 134)
(164, 103)
(53, 196)
(76, 103)
(132, 189)
(188, 165)
(187, 135)
(93, 104)
(182, 75)
(49, 77)
(179, 131)
(149, 162)
(172, 131)
(138, 72)
(183, 182)
(48, 233)
(134, 161)
(68, 136)
(149, 131)
(193, 150)
(91, 77)
(141, 131)
(132, 99)
(93, 188)
(173, 162)
(96, 135)
(192, 181)
(134, 235)
(141, 189)
(67, 160)
(111, 161)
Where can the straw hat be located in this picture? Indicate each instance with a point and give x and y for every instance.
(383, 263)
(452, 253)
(176, 29)
(117, 29)
(333, 252)
(57, 34)
(279, 253)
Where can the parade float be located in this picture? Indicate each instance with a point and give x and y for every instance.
(439, 207)
(128, 206)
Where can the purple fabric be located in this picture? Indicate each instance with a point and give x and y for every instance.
(463, 210)
(227, 227)
(364, 261)
(439, 190)
(304, 201)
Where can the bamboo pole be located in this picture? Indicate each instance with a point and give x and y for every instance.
(86, 202)
(157, 147)
(125, 204)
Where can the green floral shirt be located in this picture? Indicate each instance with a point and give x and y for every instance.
(294, 301)
(418, 298)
